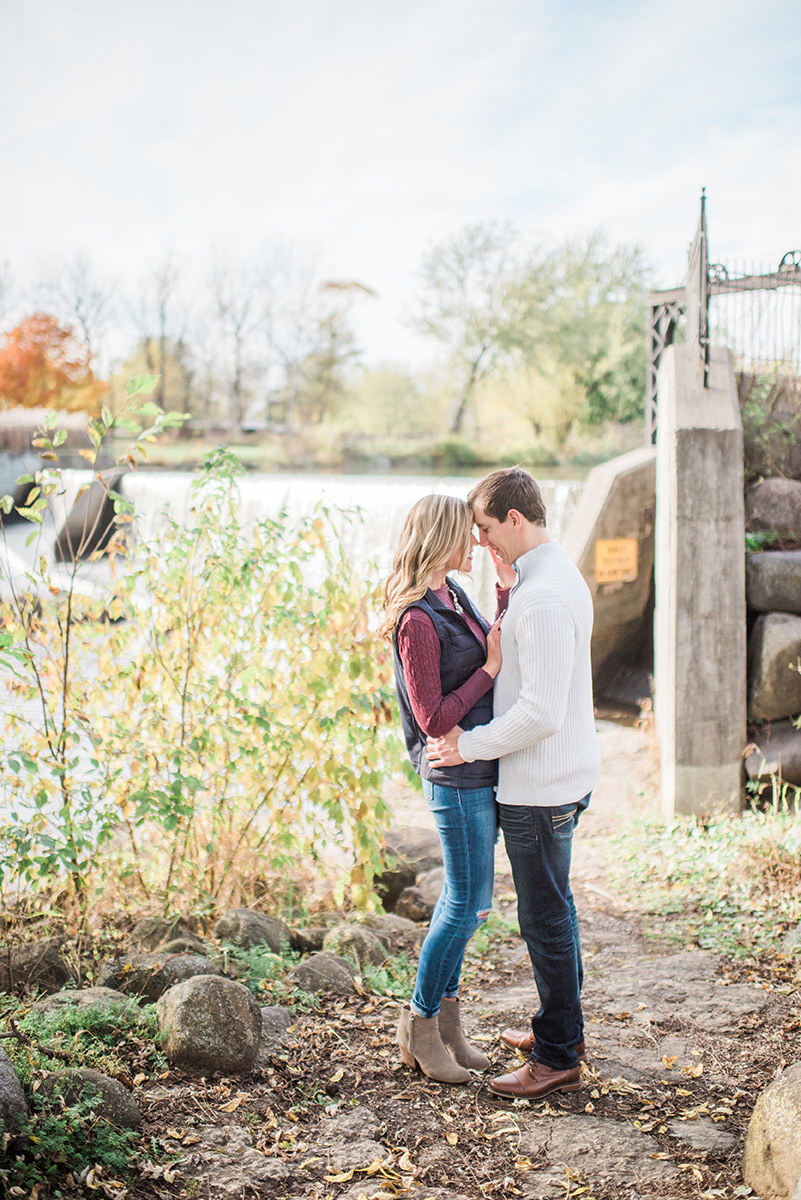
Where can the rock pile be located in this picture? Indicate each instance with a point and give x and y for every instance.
(773, 597)
(210, 1022)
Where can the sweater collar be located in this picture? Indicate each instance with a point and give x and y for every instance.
(533, 560)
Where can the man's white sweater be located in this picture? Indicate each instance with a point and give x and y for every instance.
(543, 731)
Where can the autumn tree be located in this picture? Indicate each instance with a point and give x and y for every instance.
(42, 365)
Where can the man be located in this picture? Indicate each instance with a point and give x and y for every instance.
(543, 734)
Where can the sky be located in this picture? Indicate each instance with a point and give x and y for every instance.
(361, 132)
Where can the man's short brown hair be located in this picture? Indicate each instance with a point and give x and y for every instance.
(509, 487)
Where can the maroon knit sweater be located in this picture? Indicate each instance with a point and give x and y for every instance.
(418, 646)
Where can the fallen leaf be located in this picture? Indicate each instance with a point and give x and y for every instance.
(343, 1177)
(231, 1106)
(451, 1138)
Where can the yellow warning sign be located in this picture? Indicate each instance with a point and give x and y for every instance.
(616, 560)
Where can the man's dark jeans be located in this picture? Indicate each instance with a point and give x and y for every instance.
(539, 842)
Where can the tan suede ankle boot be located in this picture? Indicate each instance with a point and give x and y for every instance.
(450, 1030)
(421, 1046)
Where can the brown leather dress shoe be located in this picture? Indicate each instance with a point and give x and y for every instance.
(517, 1039)
(535, 1080)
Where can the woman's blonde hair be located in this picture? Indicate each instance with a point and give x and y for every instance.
(435, 529)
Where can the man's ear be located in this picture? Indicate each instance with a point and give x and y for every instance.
(515, 517)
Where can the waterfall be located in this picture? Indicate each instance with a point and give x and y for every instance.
(367, 511)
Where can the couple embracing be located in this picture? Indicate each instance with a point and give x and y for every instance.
(503, 708)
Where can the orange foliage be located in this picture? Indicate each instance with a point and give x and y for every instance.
(42, 365)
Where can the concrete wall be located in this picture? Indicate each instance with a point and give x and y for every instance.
(700, 651)
(618, 503)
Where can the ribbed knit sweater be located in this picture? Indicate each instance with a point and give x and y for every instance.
(543, 732)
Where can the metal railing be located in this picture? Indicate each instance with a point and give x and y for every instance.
(757, 314)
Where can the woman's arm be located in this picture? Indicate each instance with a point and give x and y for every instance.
(419, 649)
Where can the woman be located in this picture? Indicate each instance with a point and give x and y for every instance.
(446, 659)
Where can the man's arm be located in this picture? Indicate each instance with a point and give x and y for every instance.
(545, 644)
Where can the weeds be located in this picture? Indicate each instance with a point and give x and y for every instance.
(731, 884)
(393, 978)
(79, 1036)
(69, 1140)
(65, 1137)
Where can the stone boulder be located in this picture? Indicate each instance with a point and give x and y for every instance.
(419, 848)
(323, 972)
(778, 752)
(356, 943)
(148, 976)
(210, 1024)
(248, 928)
(114, 1102)
(36, 965)
(413, 905)
(93, 997)
(773, 581)
(275, 1025)
(772, 1158)
(154, 933)
(430, 884)
(310, 939)
(774, 651)
(408, 851)
(774, 506)
(395, 931)
(13, 1105)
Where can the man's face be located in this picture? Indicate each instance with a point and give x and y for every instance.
(500, 536)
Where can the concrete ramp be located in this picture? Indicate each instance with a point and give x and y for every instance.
(610, 538)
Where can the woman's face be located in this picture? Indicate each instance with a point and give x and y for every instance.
(461, 561)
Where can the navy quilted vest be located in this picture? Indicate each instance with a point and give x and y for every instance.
(460, 655)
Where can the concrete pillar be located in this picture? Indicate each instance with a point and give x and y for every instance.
(700, 653)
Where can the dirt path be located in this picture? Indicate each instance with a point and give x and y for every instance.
(679, 1046)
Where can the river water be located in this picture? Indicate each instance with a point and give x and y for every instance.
(367, 512)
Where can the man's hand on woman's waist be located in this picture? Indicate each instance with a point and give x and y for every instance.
(444, 751)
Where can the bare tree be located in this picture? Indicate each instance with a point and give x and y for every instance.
(292, 291)
(161, 330)
(309, 336)
(76, 292)
(240, 300)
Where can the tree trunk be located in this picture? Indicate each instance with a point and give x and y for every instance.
(467, 394)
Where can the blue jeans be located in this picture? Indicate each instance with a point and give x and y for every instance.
(466, 819)
(538, 844)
